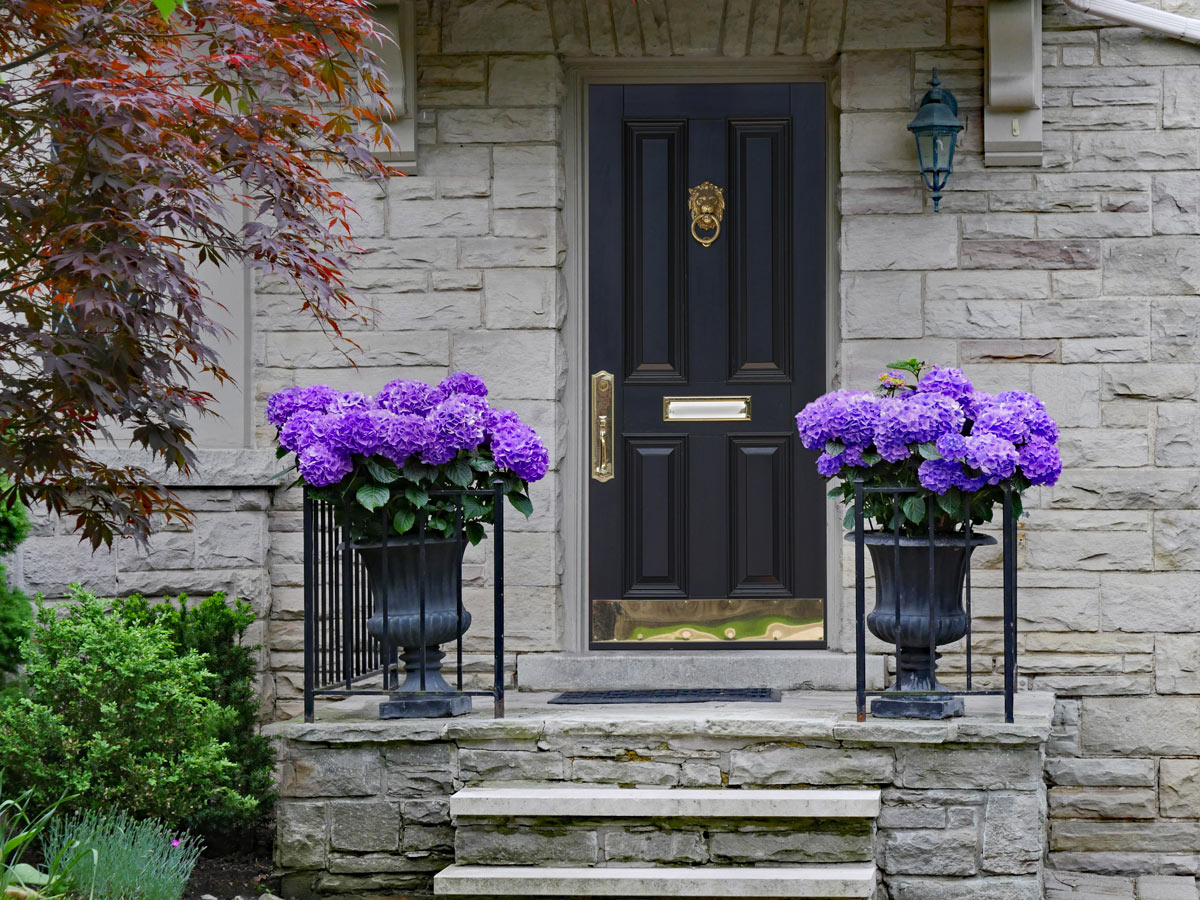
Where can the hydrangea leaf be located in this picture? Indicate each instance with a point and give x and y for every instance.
(951, 503)
(473, 507)
(521, 503)
(383, 470)
(914, 508)
(372, 496)
(474, 532)
(833, 448)
(416, 497)
(848, 519)
(404, 521)
(928, 450)
(458, 471)
(481, 464)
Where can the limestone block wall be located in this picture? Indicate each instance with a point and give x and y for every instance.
(364, 807)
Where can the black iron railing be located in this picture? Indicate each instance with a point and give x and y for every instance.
(341, 656)
(1008, 528)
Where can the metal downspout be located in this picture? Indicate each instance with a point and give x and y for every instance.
(1127, 12)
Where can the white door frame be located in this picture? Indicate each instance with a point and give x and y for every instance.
(575, 481)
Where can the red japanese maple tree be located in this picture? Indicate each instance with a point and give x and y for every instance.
(126, 127)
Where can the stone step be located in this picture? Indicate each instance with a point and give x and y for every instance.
(684, 803)
(827, 881)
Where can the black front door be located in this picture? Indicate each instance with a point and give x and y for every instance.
(706, 335)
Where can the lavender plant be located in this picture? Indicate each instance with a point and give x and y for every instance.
(941, 436)
(390, 452)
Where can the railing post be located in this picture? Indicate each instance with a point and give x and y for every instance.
(860, 608)
(309, 584)
(421, 597)
(498, 596)
(1010, 606)
(458, 555)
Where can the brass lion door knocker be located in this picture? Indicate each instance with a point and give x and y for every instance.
(707, 204)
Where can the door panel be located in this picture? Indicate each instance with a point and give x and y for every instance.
(710, 531)
(655, 312)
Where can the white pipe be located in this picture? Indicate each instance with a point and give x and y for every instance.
(1129, 13)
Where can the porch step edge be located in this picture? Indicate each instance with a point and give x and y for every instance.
(825, 881)
(816, 670)
(714, 803)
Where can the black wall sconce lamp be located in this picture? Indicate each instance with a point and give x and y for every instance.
(936, 129)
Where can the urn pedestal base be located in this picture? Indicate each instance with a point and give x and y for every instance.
(420, 706)
(917, 707)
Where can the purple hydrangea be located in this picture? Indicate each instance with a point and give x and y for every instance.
(460, 383)
(516, 447)
(405, 396)
(1006, 420)
(916, 419)
(351, 400)
(355, 431)
(946, 381)
(401, 435)
(829, 464)
(456, 423)
(951, 445)
(1040, 462)
(1042, 426)
(991, 455)
(316, 397)
(305, 427)
(281, 405)
(322, 466)
(939, 475)
(845, 416)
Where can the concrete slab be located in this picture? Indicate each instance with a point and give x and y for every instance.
(848, 880)
(602, 802)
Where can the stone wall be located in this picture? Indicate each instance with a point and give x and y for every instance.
(364, 810)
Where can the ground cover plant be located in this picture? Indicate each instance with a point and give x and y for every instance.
(115, 716)
(22, 825)
(123, 858)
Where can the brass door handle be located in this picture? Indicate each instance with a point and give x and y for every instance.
(603, 404)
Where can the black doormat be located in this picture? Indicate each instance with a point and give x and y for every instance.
(688, 695)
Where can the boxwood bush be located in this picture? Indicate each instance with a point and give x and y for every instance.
(216, 630)
(116, 715)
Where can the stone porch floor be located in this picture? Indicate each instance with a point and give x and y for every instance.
(799, 714)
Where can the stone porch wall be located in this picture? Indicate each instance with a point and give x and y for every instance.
(1077, 280)
(364, 811)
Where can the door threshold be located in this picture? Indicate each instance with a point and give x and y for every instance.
(814, 670)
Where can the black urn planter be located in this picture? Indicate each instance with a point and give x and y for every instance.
(399, 590)
(902, 580)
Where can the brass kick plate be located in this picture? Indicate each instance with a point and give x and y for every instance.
(706, 409)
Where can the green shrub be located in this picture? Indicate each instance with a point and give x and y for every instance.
(16, 612)
(116, 716)
(216, 630)
(124, 859)
(16, 618)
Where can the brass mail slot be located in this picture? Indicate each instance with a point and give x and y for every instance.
(706, 409)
